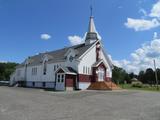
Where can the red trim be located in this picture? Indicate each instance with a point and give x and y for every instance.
(97, 51)
(70, 80)
(95, 76)
(84, 78)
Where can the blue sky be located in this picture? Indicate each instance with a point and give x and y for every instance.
(28, 27)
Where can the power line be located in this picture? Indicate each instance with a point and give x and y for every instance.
(156, 74)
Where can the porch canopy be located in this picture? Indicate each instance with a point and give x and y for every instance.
(66, 78)
(66, 70)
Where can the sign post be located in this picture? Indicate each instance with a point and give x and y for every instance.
(156, 74)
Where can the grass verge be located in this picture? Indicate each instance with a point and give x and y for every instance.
(144, 87)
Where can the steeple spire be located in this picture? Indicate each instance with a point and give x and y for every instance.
(91, 34)
(91, 27)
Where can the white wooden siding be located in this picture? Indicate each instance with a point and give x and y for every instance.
(87, 61)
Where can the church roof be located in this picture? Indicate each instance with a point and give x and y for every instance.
(57, 55)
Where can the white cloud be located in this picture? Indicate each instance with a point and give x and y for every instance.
(2, 61)
(143, 12)
(74, 40)
(155, 36)
(45, 36)
(141, 24)
(152, 21)
(142, 58)
(155, 11)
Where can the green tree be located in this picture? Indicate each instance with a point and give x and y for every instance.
(119, 75)
(6, 70)
(141, 77)
(158, 75)
(150, 76)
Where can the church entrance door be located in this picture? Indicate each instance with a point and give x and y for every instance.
(101, 74)
(60, 81)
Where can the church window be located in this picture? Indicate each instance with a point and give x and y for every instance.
(83, 69)
(88, 70)
(45, 68)
(70, 58)
(58, 78)
(33, 84)
(62, 79)
(101, 74)
(44, 84)
(54, 67)
(34, 71)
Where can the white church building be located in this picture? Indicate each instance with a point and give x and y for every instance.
(75, 67)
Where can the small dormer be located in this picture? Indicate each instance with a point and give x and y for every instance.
(45, 58)
(28, 61)
(70, 54)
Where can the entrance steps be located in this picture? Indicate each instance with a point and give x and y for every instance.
(103, 85)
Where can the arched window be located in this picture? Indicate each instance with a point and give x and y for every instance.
(45, 68)
(34, 71)
(83, 69)
(54, 67)
(100, 74)
(88, 70)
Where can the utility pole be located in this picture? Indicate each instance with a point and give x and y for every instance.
(156, 74)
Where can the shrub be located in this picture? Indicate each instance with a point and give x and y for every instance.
(146, 86)
(137, 84)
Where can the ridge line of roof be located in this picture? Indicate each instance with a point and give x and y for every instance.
(57, 49)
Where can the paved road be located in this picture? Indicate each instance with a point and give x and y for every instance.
(36, 104)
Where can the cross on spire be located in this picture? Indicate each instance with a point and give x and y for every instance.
(91, 8)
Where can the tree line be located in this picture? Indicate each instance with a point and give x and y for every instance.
(120, 76)
(6, 69)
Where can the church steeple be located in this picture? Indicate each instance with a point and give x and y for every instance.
(91, 27)
(91, 34)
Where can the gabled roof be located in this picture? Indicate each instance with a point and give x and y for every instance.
(108, 59)
(67, 70)
(57, 55)
(98, 63)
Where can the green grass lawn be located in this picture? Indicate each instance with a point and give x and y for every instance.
(148, 88)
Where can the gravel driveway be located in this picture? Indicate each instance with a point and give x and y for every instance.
(37, 104)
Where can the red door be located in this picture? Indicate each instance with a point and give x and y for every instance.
(70, 81)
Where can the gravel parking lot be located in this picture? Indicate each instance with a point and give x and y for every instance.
(37, 104)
